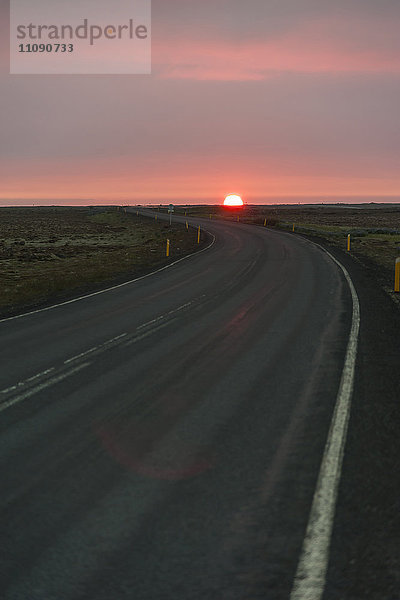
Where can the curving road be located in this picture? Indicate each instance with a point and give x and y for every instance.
(162, 440)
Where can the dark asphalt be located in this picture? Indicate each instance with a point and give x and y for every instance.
(163, 439)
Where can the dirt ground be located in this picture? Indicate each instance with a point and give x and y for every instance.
(55, 252)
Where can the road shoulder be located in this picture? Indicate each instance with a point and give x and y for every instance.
(365, 561)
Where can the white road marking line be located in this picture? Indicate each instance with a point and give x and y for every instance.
(310, 578)
(100, 347)
(149, 322)
(131, 338)
(114, 287)
(9, 389)
(41, 387)
(40, 374)
(171, 312)
(114, 339)
(137, 338)
(81, 354)
(73, 358)
(22, 383)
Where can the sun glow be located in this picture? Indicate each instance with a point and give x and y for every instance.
(233, 200)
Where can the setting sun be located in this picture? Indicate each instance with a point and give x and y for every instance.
(233, 200)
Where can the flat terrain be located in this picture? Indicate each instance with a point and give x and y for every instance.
(374, 229)
(47, 254)
(53, 253)
(163, 439)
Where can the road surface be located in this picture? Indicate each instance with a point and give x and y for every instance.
(163, 440)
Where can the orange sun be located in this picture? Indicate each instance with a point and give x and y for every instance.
(233, 200)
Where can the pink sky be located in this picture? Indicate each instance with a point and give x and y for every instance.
(263, 98)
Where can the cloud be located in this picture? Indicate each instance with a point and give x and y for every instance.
(178, 177)
(354, 45)
(267, 96)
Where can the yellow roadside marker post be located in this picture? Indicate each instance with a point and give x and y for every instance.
(397, 276)
(265, 222)
(348, 243)
(198, 235)
(187, 226)
(167, 253)
(293, 228)
(238, 219)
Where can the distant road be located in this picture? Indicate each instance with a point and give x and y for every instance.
(163, 440)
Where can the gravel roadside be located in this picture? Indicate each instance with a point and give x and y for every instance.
(365, 558)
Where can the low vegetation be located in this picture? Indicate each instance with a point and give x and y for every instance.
(55, 252)
(374, 228)
(51, 253)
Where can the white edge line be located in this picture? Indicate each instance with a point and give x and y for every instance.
(114, 287)
(41, 387)
(309, 581)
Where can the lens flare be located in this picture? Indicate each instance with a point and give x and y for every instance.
(233, 200)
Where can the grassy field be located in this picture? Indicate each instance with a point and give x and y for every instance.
(374, 229)
(55, 252)
(50, 253)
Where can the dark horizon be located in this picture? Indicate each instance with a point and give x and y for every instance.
(266, 201)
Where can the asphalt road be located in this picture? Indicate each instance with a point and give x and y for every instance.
(163, 440)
